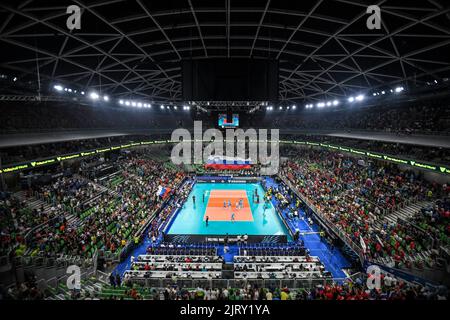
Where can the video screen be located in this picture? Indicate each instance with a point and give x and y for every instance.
(225, 123)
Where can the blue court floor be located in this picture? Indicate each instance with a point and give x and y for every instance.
(189, 219)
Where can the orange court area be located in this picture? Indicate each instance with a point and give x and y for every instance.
(216, 211)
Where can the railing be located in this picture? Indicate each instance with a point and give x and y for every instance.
(420, 230)
(42, 225)
(4, 261)
(57, 282)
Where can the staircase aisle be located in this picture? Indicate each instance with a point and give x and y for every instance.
(405, 213)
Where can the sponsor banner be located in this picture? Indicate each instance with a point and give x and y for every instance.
(195, 238)
(15, 168)
(423, 165)
(357, 152)
(374, 155)
(43, 162)
(396, 160)
(227, 166)
(87, 154)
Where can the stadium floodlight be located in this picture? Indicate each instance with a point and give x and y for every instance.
(82, 92)
(70, 90)
(65, 89)
(329, 104)
(294, 107)
(383, 92)
(127, 103)
(105, 98)
(399, 89)
(335, 102)
(374, 94)
(15, 79)
(120, 101)
(175, 107)
(280, 107)
(133, 104)
(162, 107)
(351, 99)
(94, 96)
(321, 104)
(359, 97)
(58, 87)
(139, 104)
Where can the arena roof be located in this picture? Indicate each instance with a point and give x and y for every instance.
(134, 48)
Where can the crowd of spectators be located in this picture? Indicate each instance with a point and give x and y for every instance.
(407, 151)
(16, 220)
(352, 194)
(391, 288)
(355, 196)
(25, 153)
(435, 220)
(37, 116)
(69, 193)
(27, 290)
(410, 119)
(111, 221)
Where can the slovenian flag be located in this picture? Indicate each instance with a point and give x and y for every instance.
(163, 192)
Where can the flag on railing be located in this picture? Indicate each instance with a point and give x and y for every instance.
(363, 244)
(228, 163)
(163, 192)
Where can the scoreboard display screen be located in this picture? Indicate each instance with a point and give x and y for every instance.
(224, 122)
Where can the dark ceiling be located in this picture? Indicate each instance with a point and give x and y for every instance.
(133, 48)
